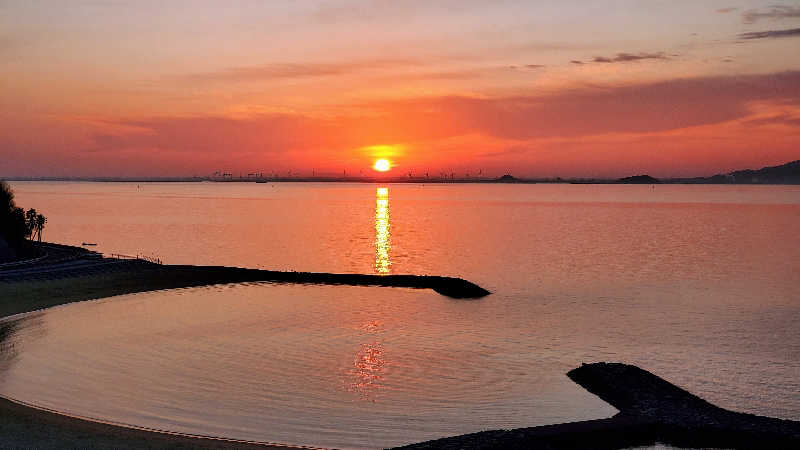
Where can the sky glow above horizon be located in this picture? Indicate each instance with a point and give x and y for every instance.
(545, 88)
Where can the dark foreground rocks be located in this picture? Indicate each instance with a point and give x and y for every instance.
(651, 410)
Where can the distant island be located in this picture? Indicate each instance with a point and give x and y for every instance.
(639, 179)
(788, 173)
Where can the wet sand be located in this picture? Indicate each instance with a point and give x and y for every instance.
(25, 427)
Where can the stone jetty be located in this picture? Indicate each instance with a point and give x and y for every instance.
(651, 410)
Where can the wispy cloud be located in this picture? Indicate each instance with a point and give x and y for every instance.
(770, 34)
(726, 10)
(627, 57)
(279, 71)
(775, 12)
(781, 119)
(528, 66)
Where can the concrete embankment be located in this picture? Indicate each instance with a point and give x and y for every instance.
(651, 410)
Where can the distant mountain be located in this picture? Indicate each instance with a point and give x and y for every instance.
(639, 179)
(788, 173)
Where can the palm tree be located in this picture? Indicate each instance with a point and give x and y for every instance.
(40, 221)
(30, 223)
(16, 224)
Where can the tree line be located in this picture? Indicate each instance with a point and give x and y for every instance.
(18, 226)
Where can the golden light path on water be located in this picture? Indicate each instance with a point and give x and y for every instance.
(382, 233)
(369, 363)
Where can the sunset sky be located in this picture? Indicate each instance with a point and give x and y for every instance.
(533, 88)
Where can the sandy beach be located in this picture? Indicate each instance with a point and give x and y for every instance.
(25, 427)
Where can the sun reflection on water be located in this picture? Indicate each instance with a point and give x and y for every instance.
(368, 370)
(382, 234)
(366, 375)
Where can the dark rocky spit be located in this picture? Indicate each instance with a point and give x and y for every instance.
(652, 410)
(64, 262)
(447, 286)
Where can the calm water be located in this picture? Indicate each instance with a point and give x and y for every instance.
(699, 284)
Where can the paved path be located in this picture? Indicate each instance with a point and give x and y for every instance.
(63, 261)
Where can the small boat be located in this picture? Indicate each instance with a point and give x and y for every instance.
(88, 243)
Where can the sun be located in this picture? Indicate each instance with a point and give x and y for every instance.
(382, 165)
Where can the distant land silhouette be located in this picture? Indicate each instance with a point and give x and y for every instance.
(639, 179)
(507, 179)
(788, 173)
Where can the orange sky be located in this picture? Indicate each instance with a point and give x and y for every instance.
(547, 88)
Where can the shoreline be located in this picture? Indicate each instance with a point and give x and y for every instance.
(29, 426)
(784, 174)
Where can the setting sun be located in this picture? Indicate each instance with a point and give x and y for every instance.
(382, 165)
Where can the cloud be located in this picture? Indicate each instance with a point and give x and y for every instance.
(775, 12)
(780, 119)
(770, 34)
(666, 105)
(266, 133)
(586, 111)
(626, 57)
(576, 62)
(280, 71)
(466, 126)
(527, 66)
(726, 10)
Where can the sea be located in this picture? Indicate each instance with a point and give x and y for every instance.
(699, 284)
